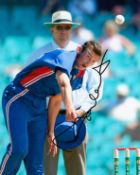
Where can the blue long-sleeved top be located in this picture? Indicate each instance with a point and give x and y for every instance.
(89, 82)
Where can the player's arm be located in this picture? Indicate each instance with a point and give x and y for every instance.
(54, 106)
(66, 91)
(53, 109)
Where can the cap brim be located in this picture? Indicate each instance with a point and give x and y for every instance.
(78, 140)
(74, 25)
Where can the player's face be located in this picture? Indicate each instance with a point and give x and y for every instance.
(61, 34)
(86, 59)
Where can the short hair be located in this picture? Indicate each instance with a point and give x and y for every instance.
(94, 46)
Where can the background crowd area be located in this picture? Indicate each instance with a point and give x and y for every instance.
(115, 121)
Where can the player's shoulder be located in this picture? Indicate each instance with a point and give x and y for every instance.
(67, 54)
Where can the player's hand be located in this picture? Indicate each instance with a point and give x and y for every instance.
(80, 112)
(71, 115)
(52, 144)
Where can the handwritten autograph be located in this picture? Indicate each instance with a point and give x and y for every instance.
(100, 69)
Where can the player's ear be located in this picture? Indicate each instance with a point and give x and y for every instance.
(79, 48)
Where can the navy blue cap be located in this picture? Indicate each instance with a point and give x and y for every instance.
(69, 135)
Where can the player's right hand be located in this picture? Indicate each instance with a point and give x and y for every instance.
(71, 115)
